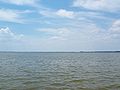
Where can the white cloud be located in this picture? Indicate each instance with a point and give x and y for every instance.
(59, 13)
(85, 37)
(69, 39)
(7, 35)
(21, 2)
(10, 15)
(104, 5)
(56, 33)
(65, 13)
(115, 28)
(10, 41)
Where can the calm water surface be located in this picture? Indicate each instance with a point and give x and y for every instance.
(59, 71)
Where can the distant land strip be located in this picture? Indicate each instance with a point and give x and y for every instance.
(59, 51)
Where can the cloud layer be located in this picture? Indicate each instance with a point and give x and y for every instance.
(104, 5)
(21, 2)
(9, 15)
(80, 25)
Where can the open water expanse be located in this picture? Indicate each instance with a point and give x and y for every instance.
(59, 71)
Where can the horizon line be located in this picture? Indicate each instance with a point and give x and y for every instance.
(95, 51)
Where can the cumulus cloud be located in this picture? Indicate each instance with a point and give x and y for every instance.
(65, 13)
(59, 13)
(104, 5)
(7, 35)
(10, 16)
(10, 40)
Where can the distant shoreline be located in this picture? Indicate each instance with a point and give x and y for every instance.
(60, 52)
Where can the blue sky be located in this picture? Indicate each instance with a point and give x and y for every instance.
(59, 25)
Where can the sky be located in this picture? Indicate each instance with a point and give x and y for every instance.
(59, 25)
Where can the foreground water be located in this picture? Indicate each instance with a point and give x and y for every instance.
(59, 71)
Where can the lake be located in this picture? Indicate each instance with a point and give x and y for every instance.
(59, 71)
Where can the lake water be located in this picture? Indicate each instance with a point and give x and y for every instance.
(59, 71)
